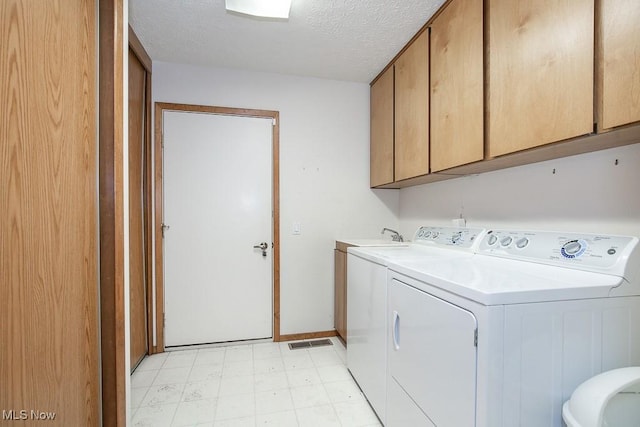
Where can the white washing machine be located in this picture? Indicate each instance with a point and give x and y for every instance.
(504, 337)
(367, 300)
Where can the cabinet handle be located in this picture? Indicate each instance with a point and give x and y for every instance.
(396, 330)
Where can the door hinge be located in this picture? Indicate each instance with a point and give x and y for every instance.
(475, 338)
(274, 122)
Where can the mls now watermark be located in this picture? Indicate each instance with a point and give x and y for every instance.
(24, 414)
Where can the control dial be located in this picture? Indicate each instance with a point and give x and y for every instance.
(573, 248)
(492, 240)
(506, 241)
(522, 243)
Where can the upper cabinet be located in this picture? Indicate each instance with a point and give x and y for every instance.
(457, 85)
(618, 80)
(491, 84)
(382, 129)
(412, 110)
(540, 72)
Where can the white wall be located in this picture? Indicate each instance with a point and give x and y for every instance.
(587, 193)
(324, 172)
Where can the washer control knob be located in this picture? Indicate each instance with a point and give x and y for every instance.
(435, 235)
(506, 241)
(522, 243)
(572, 249)
(427, 234)
(492, 240)
(456, 238)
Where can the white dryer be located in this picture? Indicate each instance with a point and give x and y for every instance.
(367, 300)
(504, 337)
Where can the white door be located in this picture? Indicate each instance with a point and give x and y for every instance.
(217, 204)
(432, 355)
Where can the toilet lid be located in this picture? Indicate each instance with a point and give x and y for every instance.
(587, 404)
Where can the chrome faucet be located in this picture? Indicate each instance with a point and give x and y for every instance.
(395, 236)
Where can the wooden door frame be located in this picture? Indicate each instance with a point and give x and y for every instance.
(160, 108)
(111, 206)
(111, 211)
(140, 52)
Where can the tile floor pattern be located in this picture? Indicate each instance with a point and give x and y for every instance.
(263, 384)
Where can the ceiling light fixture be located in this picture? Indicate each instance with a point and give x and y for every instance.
(261, 8)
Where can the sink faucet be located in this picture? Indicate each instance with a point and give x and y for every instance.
(395, 236)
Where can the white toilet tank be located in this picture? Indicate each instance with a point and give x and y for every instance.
(610, 399)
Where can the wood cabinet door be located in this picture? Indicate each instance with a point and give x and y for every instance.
(457, 86)
(412, 110)
(619, 63)
(540, 72)
(340, 319)
(382, 129)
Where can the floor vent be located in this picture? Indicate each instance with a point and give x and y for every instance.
(309, 344)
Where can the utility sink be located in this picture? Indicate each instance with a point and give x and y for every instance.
(372, 242)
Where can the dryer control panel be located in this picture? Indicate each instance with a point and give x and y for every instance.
(448, 236)
(591, 252)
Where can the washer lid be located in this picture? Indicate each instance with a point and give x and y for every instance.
(497, 281)
(385, 255)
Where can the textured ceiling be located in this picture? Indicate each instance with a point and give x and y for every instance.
(348, 40)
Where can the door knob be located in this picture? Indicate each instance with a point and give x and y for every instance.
(263, 246)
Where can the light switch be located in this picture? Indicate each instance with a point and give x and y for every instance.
(296, 228)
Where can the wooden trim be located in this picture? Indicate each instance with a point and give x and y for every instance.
(139, 50)
(160, 107)
(244, 112)
(148, 208)
(276, 225)
(159, 276)
(111, 173)
(308, 335)
(625, 135)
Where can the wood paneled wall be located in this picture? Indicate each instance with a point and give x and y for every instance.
(49, 349)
